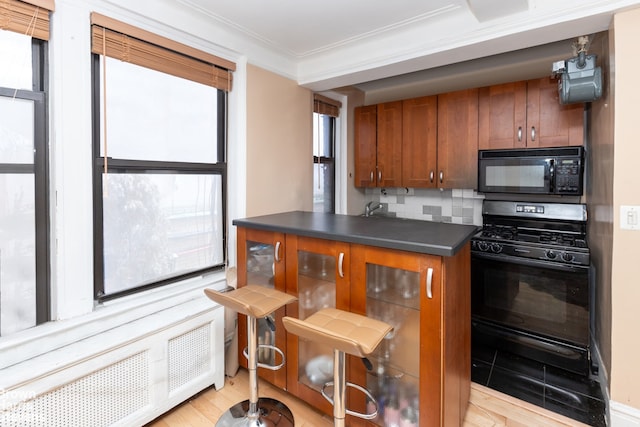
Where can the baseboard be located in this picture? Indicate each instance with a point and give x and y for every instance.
(623, 415)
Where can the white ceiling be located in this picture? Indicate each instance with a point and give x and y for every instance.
(333, 43)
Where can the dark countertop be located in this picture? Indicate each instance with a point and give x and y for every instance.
(434, 238)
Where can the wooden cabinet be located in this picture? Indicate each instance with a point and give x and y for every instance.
(440, 141)
(318, 273)
(433, 141)
(261, 261)
(389, 144)
(528, 114)
(365, 136)
(458, 139)
(422, 369)
(436, 137)
(378, 145)
(419, 142)
(550, 123)
(425, 364)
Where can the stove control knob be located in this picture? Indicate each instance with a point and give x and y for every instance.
(483, 246)
(550, 254)
(567, 257)
(496, 248)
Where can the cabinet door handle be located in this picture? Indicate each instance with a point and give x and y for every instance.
(441, 176)
(340, 262)
(431, 176)
(429, 282)
(379, 176)
(519, 133)
(371, 176)
(277, 254)
(533, 133)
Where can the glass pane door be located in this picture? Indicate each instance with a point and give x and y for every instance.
(261, 271)
(393, 296)
(316, 290)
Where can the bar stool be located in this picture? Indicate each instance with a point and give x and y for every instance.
(347, 333)
(256, 302)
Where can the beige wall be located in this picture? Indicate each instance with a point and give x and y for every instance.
(355, 196)
(625, 277)
(279, 144)
(599, 195)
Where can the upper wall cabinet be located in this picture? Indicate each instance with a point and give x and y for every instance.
(426, 142)
(389, 144)
(365, 136)
(378, 145)
(419, 142)
(527, 115)
(458, 139)
(440, 140)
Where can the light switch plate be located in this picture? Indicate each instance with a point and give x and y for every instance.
(630, 217)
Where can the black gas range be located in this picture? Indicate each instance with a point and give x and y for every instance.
(553, 233)
(532, 307)
(530, 285)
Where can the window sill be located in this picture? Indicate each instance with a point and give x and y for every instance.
(54, 335)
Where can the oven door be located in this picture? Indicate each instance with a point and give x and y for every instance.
(537, 308)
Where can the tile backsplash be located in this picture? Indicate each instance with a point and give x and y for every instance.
(455, 206)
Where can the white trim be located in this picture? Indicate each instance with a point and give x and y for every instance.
(623, 415)
(51, 336)
(341, 154)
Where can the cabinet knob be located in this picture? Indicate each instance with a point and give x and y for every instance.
(441, 176)
(533, 133)
(379, 176)
(429, 282)
(519, 133)
(431, 176)
(371, 177)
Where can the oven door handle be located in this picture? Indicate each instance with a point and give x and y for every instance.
(528, 262)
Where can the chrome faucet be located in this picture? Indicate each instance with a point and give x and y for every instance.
(371, 207)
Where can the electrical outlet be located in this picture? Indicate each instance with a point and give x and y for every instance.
(630, 217)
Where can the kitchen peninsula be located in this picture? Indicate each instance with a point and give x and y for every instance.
(412, 274)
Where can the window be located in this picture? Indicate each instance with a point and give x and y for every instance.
(24, 254)
(325, 111)
(159, 160)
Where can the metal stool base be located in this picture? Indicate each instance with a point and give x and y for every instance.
(271, 412)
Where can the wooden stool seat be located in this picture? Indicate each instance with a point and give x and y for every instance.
(251, 300)
(347, 333)
(342, 330)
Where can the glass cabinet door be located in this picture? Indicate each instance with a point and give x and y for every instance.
(316, 290)
(318, 275)
(393, 296)
(261, 271)
(262, 253)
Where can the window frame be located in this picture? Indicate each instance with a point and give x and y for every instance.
(320, 160)
(115, 166)
(40, 170)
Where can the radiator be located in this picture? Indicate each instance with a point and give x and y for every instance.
(149, 368)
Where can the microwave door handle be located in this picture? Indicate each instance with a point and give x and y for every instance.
(552, 176)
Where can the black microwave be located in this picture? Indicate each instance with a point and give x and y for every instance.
(532, 171)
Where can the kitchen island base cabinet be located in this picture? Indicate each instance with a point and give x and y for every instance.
(421, 371)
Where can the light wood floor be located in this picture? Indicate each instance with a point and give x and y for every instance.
(487, 407)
